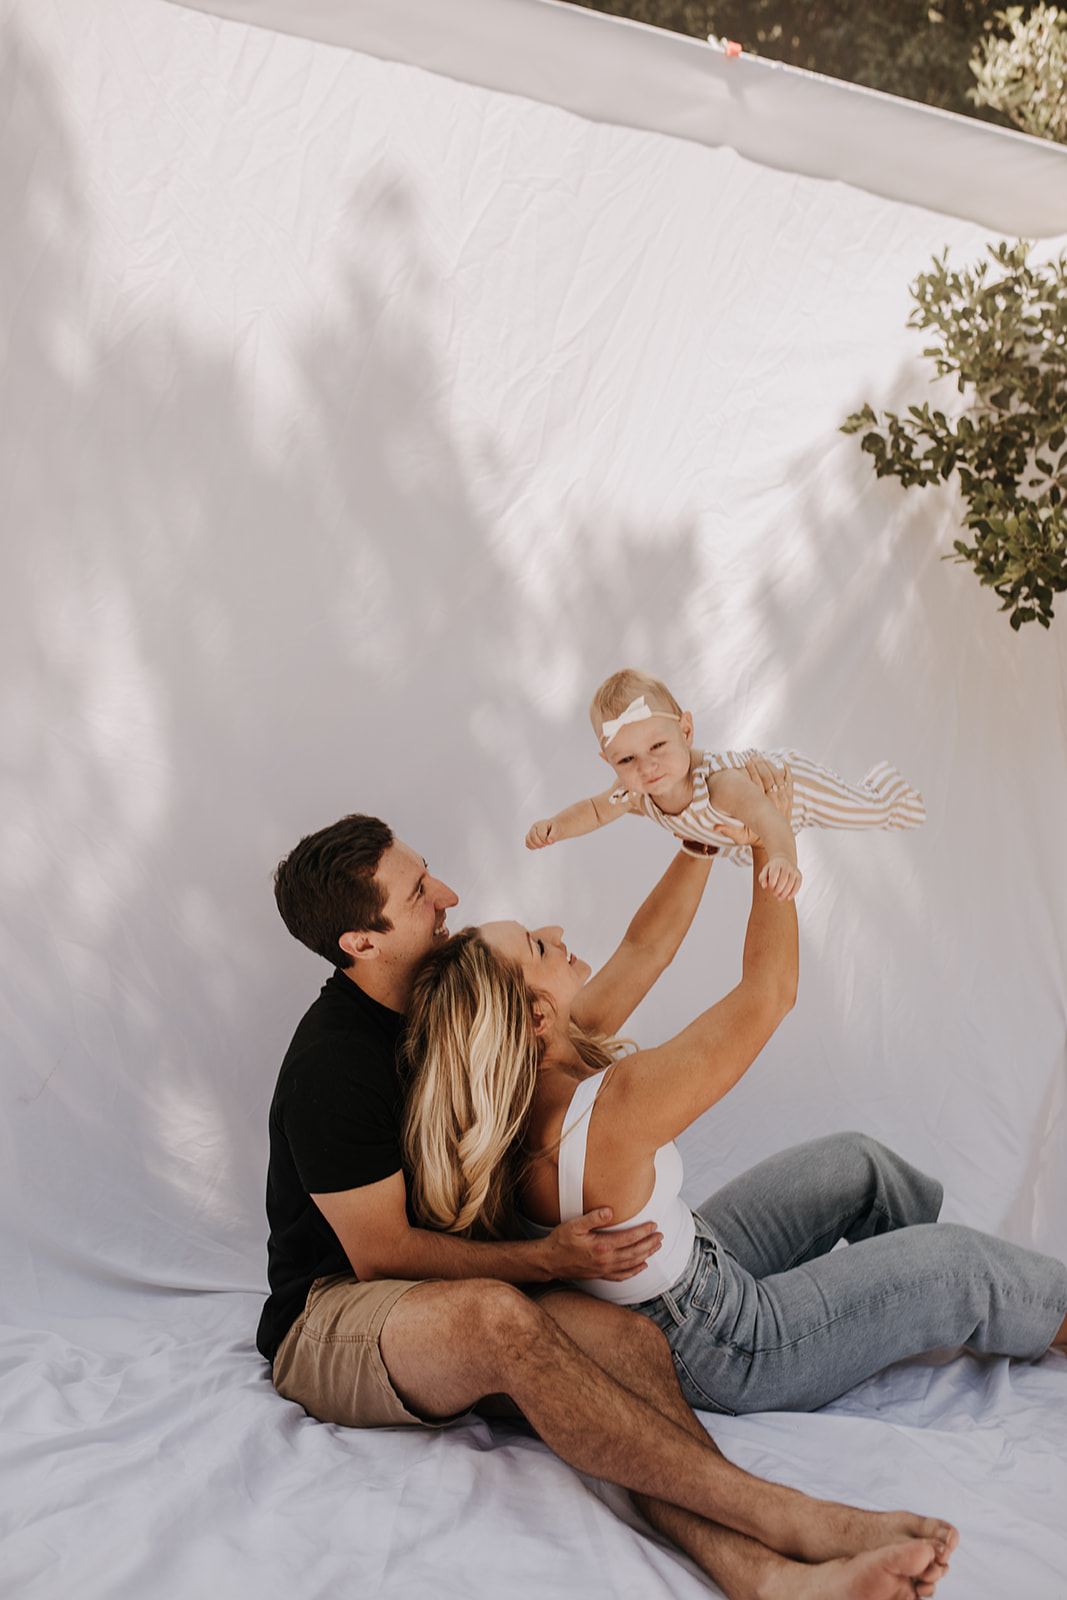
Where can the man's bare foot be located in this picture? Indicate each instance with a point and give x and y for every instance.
(899, 1571)
(825, 1531)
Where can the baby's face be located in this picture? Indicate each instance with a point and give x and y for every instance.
(652, 757)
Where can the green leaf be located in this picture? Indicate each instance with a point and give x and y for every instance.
(1000, 328)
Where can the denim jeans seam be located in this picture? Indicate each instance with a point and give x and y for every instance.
(843, 1223)
(698, 1388)
(810, 1333)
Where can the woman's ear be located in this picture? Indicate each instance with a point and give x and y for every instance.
(543, 1015)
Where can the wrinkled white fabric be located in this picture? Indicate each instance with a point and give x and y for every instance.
(621, 72)
(338, 393)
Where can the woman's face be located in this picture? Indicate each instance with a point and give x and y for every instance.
(543, 958)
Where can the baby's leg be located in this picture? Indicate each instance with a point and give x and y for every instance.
(823, 800)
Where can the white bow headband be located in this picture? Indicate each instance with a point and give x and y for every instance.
(636, 711)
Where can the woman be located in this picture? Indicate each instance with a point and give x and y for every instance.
(524, 1105)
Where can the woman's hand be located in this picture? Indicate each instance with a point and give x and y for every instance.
(776, 784)
(578, 1249)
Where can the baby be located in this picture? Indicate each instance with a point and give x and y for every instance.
(648, 739)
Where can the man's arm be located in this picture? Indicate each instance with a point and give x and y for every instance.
(372, 1226)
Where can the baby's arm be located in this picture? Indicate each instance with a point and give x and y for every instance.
(734, 792)
(584, 816)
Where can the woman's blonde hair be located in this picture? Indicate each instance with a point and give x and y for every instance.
(473, 1053)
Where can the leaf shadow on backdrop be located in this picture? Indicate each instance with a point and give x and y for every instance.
(209, 652)
(213, 648)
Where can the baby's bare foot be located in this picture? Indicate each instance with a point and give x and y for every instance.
(899, 1571)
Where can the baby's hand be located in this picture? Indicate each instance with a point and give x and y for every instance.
(782, 877)
(540, 834)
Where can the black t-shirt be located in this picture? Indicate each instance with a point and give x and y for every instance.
(334, 1125)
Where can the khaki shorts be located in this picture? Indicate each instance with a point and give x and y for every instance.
(330, 1361)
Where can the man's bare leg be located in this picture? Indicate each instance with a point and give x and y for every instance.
(445, 1345)
(636, 1355)
(747, 1570)
(744, 1569)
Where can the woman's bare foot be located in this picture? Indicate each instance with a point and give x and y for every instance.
(899, 1571)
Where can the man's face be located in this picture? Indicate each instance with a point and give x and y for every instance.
(416, 903)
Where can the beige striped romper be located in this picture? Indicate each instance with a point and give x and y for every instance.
(820, 800)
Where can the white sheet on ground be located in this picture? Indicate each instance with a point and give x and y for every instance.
(356, 423)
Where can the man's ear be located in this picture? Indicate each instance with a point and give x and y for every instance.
(685, 722)
(360, 946)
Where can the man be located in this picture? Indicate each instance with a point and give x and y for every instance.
(372, 1322)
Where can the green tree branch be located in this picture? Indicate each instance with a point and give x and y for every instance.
(1004, 337)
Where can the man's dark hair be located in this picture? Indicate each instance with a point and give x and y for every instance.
(326, 886)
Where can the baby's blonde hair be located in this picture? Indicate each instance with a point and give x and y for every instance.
(622, 689)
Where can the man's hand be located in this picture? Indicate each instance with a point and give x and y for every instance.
(373, 1228)
(540, 835)
(577, 1249)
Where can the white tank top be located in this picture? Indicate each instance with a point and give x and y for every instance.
(665, 1206)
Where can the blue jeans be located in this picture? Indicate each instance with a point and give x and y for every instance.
(765, 1318)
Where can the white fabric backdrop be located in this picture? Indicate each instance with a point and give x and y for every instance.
(355, 423)
(622, 72)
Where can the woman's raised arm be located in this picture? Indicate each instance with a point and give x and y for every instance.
(648, 947)
(657, 1093)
